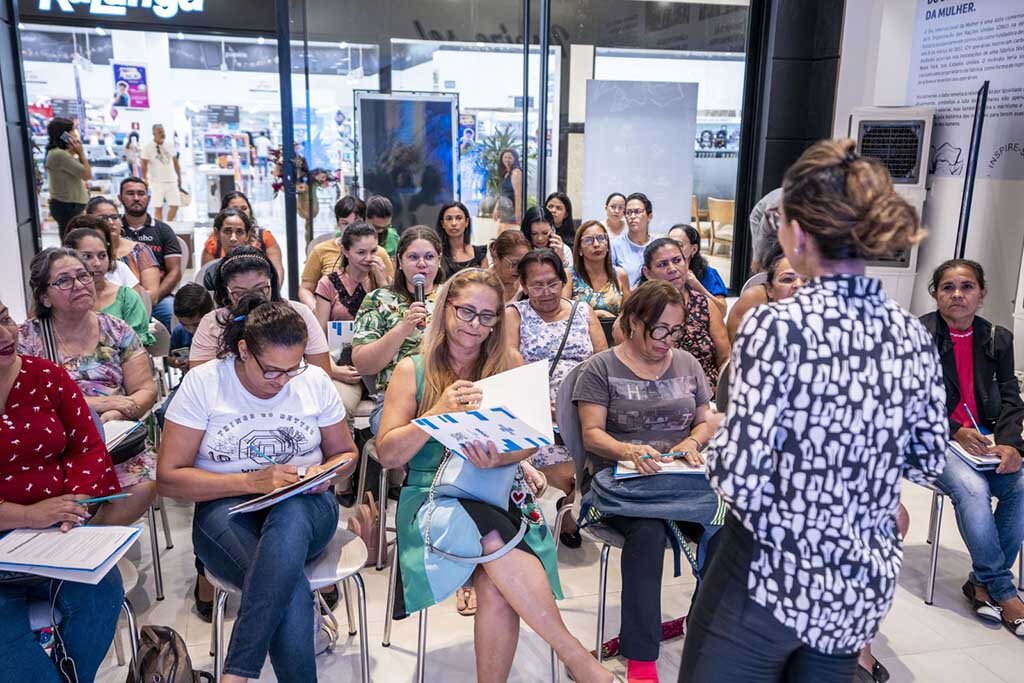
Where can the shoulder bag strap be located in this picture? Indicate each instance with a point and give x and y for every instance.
(565, 337)
(49, 341)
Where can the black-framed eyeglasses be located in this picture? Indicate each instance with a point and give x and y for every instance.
(67, 282)
(275, 374)
(659, 332)
(109, 218)
(591, 240)
(468, 315)
(635, 212)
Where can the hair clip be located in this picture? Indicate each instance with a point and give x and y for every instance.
(239, 318)
(849, 159)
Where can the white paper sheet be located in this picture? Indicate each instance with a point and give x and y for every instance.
(285, 492)
(625, 469)
(84, 554)
(340, 334)
(115, 431)
(515, 413)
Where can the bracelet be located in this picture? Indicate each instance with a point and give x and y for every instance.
(690, 438)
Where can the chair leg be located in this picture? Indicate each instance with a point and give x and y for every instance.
(118, 648)
(364, 458)
(382, 525)
(421, 647)
(1020, 568)
(392, 585)
(133, 634)
(937, 500)
(168, 541)
(601, 598)
(154, 543)
(554, 666)
(348, 607)
(556, 531)
(931, 519)
(364, 638)
(220, 601)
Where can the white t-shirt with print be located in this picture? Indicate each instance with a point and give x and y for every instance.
(161, 162)
(285, 427)
(122, 275)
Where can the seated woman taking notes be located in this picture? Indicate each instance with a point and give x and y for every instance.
(259, 403)
(982, 398)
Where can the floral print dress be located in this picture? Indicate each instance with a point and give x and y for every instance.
(99, 374)
(697, 335)
(608, 298)
(539, 340)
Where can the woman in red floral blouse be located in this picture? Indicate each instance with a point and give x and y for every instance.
(51, 456)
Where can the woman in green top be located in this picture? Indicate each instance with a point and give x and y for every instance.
(68, 168)
(115, 300)
(465, 342)
(390, 322)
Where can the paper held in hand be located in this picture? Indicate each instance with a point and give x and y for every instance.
(83, 554)
(286, 492)
(515, 413)
(626, 469)
(978, 462)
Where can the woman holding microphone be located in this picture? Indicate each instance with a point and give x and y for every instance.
(837, 395)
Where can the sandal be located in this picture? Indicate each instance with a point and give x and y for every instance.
(570, 539)
(463, 597)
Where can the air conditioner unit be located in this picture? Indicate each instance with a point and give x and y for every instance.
(900, 137)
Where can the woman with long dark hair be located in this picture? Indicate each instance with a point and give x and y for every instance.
(614, 211)
(538, 226)
(217, 245)
(560, 207)
(703, 277)
(595, 280)
(810, 553)
(455, 228)
(508, 206)
(68, 169)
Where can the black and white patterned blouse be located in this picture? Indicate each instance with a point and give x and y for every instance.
(836, 395)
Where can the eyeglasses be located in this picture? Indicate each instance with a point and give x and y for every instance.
(594, 239)
(551, 287)
(675, 261)
(635, 212)
(511, 263)
(262, 290)
(659, 332)
(110, 218)
(67, 282)
(468, 315)
(275, 374)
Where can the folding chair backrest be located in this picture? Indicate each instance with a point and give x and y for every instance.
(567, 417)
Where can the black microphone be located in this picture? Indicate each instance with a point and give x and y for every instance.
(418, 281)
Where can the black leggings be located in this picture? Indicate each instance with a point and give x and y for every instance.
(62, 212)
(729, 637)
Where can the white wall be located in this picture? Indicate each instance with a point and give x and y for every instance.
(874, 70)
(720, 82)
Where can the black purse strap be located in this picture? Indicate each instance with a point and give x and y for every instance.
(565, 337)
(49, 341)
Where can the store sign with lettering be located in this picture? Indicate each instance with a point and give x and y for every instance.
(163, 9)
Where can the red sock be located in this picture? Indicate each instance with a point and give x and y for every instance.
(641, 672)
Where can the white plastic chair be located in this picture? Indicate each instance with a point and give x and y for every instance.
(340, 561)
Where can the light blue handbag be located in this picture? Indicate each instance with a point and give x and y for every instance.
(460, 479)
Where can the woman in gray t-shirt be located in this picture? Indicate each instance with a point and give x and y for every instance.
(637, 401)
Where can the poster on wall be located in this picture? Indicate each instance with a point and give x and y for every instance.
(958, 46)
(131, 91)
(658, 118)
(407, 151)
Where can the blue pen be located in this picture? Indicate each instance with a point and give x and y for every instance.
(266, 458)
(664, 455)
(102, 499)
(973, 421)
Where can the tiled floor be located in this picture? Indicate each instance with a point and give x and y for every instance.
(942, 643)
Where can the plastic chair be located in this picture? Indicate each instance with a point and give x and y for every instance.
(370, 452)
(721, 215)
(934, 531)
(702, 229)
(200, 276)
(340, 561)
(755, 280)
(184, 254)
(146, 300)
(317, 240)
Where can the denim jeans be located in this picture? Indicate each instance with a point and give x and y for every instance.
(729, 637)
(264, 553)
(993, 540)
(87, 628)
(164, 309)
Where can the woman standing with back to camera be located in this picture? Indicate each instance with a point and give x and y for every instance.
(837, 395)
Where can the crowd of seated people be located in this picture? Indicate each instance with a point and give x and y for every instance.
(641, 316)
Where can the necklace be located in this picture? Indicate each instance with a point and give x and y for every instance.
(635, 363)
